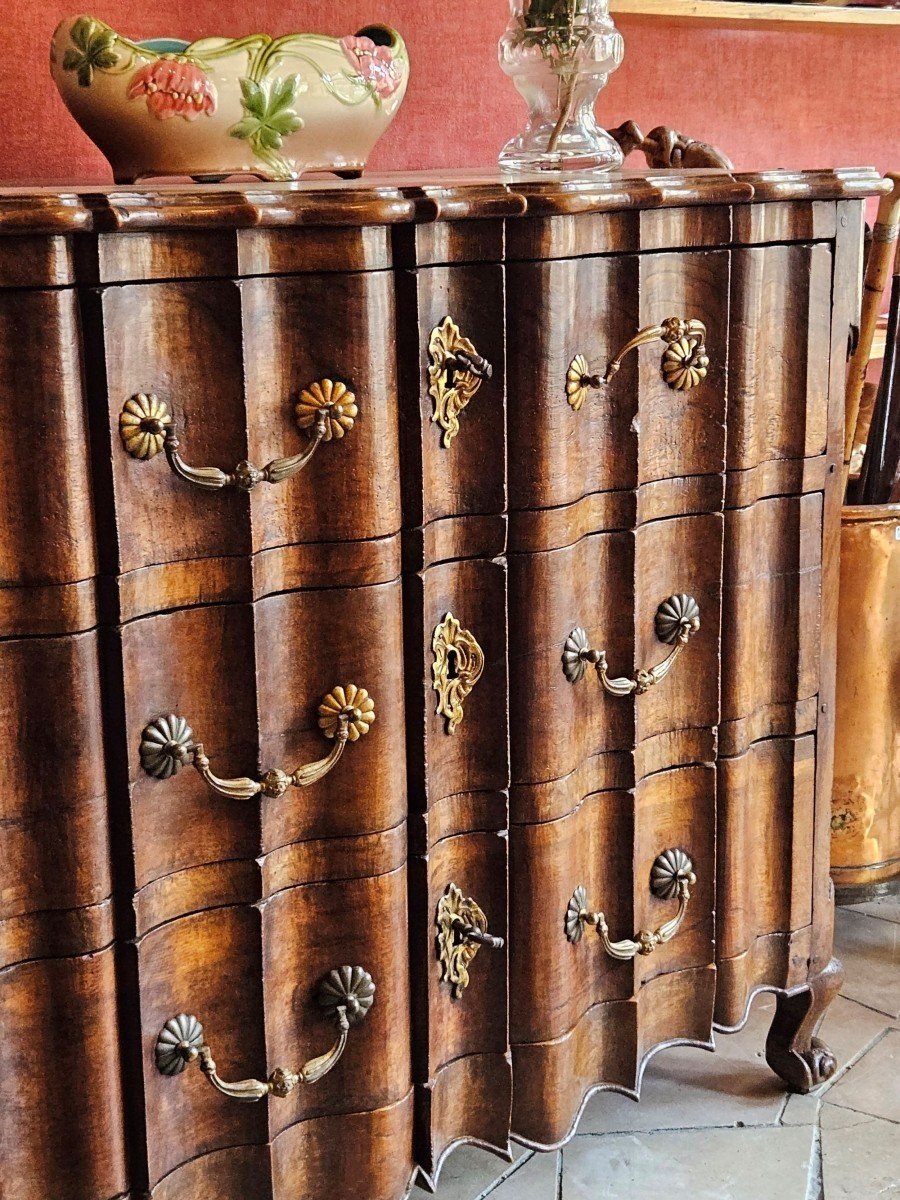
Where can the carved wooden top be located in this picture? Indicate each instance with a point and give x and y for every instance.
(422, 197)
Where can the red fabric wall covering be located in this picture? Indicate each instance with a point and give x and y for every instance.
(796, 96)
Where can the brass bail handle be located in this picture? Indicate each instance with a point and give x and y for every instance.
(345, 996)
(462, 929)
(672, 876)
(685, 362)
(325, 412)
(167, 744)
(677, 620)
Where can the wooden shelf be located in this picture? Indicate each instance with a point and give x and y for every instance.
(735, 10)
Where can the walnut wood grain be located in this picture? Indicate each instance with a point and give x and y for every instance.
(636, 429)
(766, 810)
(474, 757)
(394, 199)
(180, 822)
(35, 260)
(553, 1080)
(372, 1150)
(770, 671)
(611, 584)
(240, 358)
(467, 476)
(204, 253)
(297, 331)
(460, 1041)
(58, 1017)
(847, 265)
(303, 928)
(252, 721)
(779, 353)
(45, 501)
(290, 941)
(209, 964)
(608, 845)
(468, 1102)
(53, 803)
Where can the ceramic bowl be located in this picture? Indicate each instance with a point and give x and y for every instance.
(270, 107)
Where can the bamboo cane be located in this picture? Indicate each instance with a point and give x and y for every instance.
(879, 466)
(878, 269)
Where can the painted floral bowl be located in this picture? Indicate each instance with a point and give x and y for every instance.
(271, 107)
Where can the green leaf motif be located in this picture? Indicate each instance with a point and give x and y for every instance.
(94, 50)
(269, 115)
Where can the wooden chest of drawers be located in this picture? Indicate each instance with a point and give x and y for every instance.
(504, 676)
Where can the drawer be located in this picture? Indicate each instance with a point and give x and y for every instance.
(45, 501)
(636, 429)
(461, 1059)
(249, 680)
(610, 585)
(764, 904)
(55, 895)
(230, 360)
(457, 674)
(771, 620)
(252, 977)
(780, 354)
(61, 1124)
(453, 420)
(580, 1017)
(307, 931)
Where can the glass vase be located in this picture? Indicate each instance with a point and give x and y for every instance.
(559, 54)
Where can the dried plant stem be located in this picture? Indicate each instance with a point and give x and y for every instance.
(568, 82)
(566, 108)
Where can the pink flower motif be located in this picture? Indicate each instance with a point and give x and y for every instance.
(173, 89)
(374, 63)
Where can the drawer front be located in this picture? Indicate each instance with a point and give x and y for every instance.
(764, 903)
(231, 360)
(456, 664)
(580, 1016)
(453, 419)
(57, 884)
(636, 429)
(251, 975)
(59, 1138)
(208, 965)
(250, 681)
(771, 620)
(461, 1054)
(611, 586)
(780, 354)
(307, 931)
(45, 501)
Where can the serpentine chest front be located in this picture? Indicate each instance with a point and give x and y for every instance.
(418, 636)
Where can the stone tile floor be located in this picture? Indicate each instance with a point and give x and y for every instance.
(719, 1127)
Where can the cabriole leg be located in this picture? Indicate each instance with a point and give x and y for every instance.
(803, 1061)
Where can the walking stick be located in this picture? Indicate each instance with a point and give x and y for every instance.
(878, 268)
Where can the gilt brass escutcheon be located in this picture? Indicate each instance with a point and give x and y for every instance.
(324, 412)
(672, 876)
(457, 667)
(456, 371)
(345, 996)
(685, 362)
(462, 930)
(677, 620)
(167, 744)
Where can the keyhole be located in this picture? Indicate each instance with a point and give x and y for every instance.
(452, 664)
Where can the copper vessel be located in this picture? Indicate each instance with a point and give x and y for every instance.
(865, 821)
